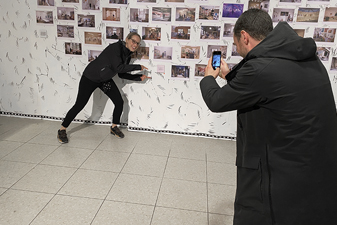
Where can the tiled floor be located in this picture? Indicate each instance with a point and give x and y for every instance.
(143, 179)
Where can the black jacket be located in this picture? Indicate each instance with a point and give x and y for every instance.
(286, 132)
(114, 59)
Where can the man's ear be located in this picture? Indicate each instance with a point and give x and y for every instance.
(245, 37)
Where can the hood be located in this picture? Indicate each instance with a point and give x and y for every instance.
(283, 42)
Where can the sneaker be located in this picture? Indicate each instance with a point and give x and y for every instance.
(117, 132)
(62, 136)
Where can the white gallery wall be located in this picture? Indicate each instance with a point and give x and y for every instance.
(46, 44)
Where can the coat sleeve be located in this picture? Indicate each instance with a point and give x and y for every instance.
(130, 76)
(117, 64)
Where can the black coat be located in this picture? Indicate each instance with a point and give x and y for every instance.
(286, 132)
(114, 59)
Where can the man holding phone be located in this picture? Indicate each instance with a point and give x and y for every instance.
(286, 125)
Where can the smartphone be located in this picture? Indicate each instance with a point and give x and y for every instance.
(216, 59)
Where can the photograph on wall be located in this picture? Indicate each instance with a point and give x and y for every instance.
(323, 53)
(209, 12)
(308, 15)
(321, 2)
(330, 14)
(180, 32)
(163, 53)
(200, 70)
(147, 1)
(65, 31)
(324, 34)
(174, 1)
(139, 15)
(161, 14)
(300, 32)
(151, 33)
(259, 4)
(93, 54)
(71, 1)
(116, 33)
(294, 2)
(91, 5)
(180, 72)
(235, 52)
(85, 20)
(93, 38)
(221, 48)
(45, 17)
(141, 53)
(64, 13)
(210, 32)
(185, 14)
(111, 14)
(228, 30)
(190, 52)
(73, 48)
(333, 64)
(232, 10)
(124, 2)
(45, 2)
(283, 14)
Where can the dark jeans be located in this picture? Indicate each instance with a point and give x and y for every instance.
(85, 89)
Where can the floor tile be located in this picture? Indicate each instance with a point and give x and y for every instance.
(2, 190)
(157, 144)
(221, 199)
(217, 219)
(169, 216)
(221, 173)
(11, 172)
(7, 147)
(127, 144)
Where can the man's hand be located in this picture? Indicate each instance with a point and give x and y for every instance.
(209, 71)
(143, 77)
(143, 67)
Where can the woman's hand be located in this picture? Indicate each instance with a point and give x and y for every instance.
(143, 67)
(143, 77)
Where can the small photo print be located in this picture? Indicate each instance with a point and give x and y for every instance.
(180, 32)
(210, 32)
(263, 5)
(308, 15)
(93, 38)
(91, 4)
(64, 13)
(330, 14)
(161, 14)
(116, 33)
(73, 48)
(45, 2)
(174, 1)
(209, 12)
(164, 53)
(45, 17)
(190, 52)
(185, 14)
(111, 14)
(300, 32)
(151, 33)
(71, 1)
(93, 54)
(221, 48)
(333, 64)
(228, 30)
(232, 10)
(180, 72)
(86, 20)
(139, 15)
(150, 1)
(141, 53)
(118, 1)
(284, 2)
(323, 53)
(65, 31)
(200, 70)
(324, 34)
(283, 15)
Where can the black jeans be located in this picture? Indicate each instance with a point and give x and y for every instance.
(85, 89)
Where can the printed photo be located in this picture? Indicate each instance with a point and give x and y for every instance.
(73, 48)
(141, 53)
(180, 32)
(259, 4)
(64, 13)
(323, 53)
(71, 1)
(308, 15)
(324, 34)
(151, 33)
(116, 33)
(86, 20)
(210, 32)
(200, 70)
(190, 52)
(330, 14)
(164, 53)
(318, 1)
(297, 2)
(180, 72)
(150, 1)
(93, 54)
(185, 14)
(228, 30)
(174, 0)
(45, 2)
(333, 64)
(93, 38)
(232, 10)
(300, 32)
(139, 15)
(118, 1)
(209, 12)
(111, 14)
(45, 17)
(65, 31)
(161, 14)
(281, 14)
(91, 4)
(221, 48)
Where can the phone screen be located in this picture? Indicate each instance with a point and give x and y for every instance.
(216, 60)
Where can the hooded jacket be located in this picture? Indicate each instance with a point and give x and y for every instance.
(286, 132)
(113, 60)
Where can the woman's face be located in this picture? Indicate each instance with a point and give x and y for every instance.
(133, 43)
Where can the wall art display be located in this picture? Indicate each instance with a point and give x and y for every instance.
(185, 14)
(333, 64)
(66, 31)
(174, 0)
(180, 72)
(151, 1)
(330, 14)
(91, 4)
(319, 1)
(210, 32)
(93, 54)
(93, 38)
(45, 2)
(324, 34)
(283, 14)
(116, 33)
(323, 53)
(141, 53)
(139, 15)
(65, 13)
(73, 48)
(180, 32)
(71, 1)
(300, 32)
(308, 15)
(228, 30)
(200, 70)
(209, 12)
(295, 2)
(190, 52)
(161, 14)
(232, 10)
(118, 1)
(221, 48)
(164, 53)
(45, 17)
(111, 14)
(85, 20)
(151, 33)
(259, 4)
